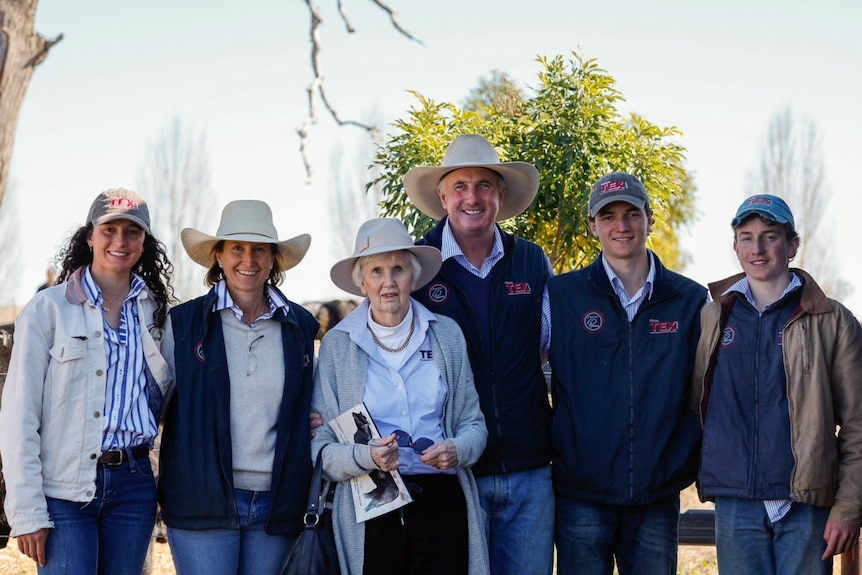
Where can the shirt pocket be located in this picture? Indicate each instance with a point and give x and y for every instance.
(65, 372)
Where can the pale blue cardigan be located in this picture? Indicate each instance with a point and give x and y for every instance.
(339, 382)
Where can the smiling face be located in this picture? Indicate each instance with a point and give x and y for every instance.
(622, 230)
(117, 246)
(246, 266)
(387, 281)
(763, 250)
(472, 198)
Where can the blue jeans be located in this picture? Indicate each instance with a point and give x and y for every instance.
(247, 550)
(111, 533)
(520, 523)
(642, 539)
(747, 541)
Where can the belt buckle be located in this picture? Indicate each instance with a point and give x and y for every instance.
(122, 453)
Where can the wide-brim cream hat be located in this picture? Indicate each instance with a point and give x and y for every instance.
(244, 221)
(380, 236)
(473, 151)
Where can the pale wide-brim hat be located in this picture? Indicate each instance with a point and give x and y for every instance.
(244, 221)
(380, 236)
(473, 151)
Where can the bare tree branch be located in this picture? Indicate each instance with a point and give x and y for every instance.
(40, 56)
(393, 18)
(347, 24)
(316, 88)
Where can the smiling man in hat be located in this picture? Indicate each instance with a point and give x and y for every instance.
(623, 336)
(777, 372)
(492, 284)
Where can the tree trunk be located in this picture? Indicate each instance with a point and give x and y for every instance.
(21, 50)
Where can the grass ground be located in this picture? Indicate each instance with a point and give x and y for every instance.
(693, 560)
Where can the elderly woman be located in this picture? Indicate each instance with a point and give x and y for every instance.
(411, 370)
(83, 397)
(234, 455)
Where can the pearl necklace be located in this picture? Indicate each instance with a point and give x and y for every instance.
(398, 349)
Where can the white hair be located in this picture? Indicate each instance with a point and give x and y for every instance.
(356, 273)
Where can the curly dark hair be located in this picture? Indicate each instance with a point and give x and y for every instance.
(154, 267)
(215, 274)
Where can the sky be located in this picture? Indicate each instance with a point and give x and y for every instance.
(238, 71)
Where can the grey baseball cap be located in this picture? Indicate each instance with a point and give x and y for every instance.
(617, 187)
(119, 204)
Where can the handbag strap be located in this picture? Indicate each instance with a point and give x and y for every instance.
(315, 501)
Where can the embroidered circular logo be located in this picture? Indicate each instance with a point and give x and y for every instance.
(727, 336)
(438, 293)
(199, 352)
(594, 321)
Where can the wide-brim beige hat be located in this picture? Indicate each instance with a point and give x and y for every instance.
(380, 236)
(244, 221)
(473, 151)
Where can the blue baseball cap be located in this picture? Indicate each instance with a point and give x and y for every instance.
(767, 207)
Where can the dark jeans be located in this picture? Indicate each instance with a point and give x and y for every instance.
(642, 539)
(111, 533)
(427, 536)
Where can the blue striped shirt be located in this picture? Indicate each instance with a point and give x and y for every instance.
(128, 420)
(224, 301)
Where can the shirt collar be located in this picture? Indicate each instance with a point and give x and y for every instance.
(617, 283)
(94, 292)
(743, 287)
(449, 247)
(224, 301)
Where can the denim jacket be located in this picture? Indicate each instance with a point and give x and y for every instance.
(51, 416)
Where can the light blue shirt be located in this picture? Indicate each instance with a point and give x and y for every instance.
(128, 420)
(409, 395)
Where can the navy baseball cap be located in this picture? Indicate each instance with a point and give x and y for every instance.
(617, 187)
(767, 207)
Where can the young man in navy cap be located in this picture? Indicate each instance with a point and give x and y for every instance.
(623, 336)
(777, 371)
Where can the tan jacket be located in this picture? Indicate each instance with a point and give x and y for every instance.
(823, 362)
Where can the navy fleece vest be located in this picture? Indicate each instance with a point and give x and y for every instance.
(623, 432)
(746, 439)
(512, 390)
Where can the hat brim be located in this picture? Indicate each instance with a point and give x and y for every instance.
(199, 246)
(522, 184)
(429, 258)
(114, 217)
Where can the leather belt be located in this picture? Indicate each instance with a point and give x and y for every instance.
(118, 456)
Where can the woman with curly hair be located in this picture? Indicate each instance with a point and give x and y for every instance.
(83, 397)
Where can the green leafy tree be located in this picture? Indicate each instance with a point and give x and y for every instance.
(571, 131)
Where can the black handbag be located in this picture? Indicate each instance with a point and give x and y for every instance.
(314, 552)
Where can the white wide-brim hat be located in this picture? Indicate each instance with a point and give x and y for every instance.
(473, 151)
(380, 236)
(244, 221)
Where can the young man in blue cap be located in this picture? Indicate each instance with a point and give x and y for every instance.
(625, 443)
(777, 371)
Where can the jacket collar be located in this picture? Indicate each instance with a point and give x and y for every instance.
(813, 299)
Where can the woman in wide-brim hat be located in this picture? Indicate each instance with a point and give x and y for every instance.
(410, 368)
(234, 456)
